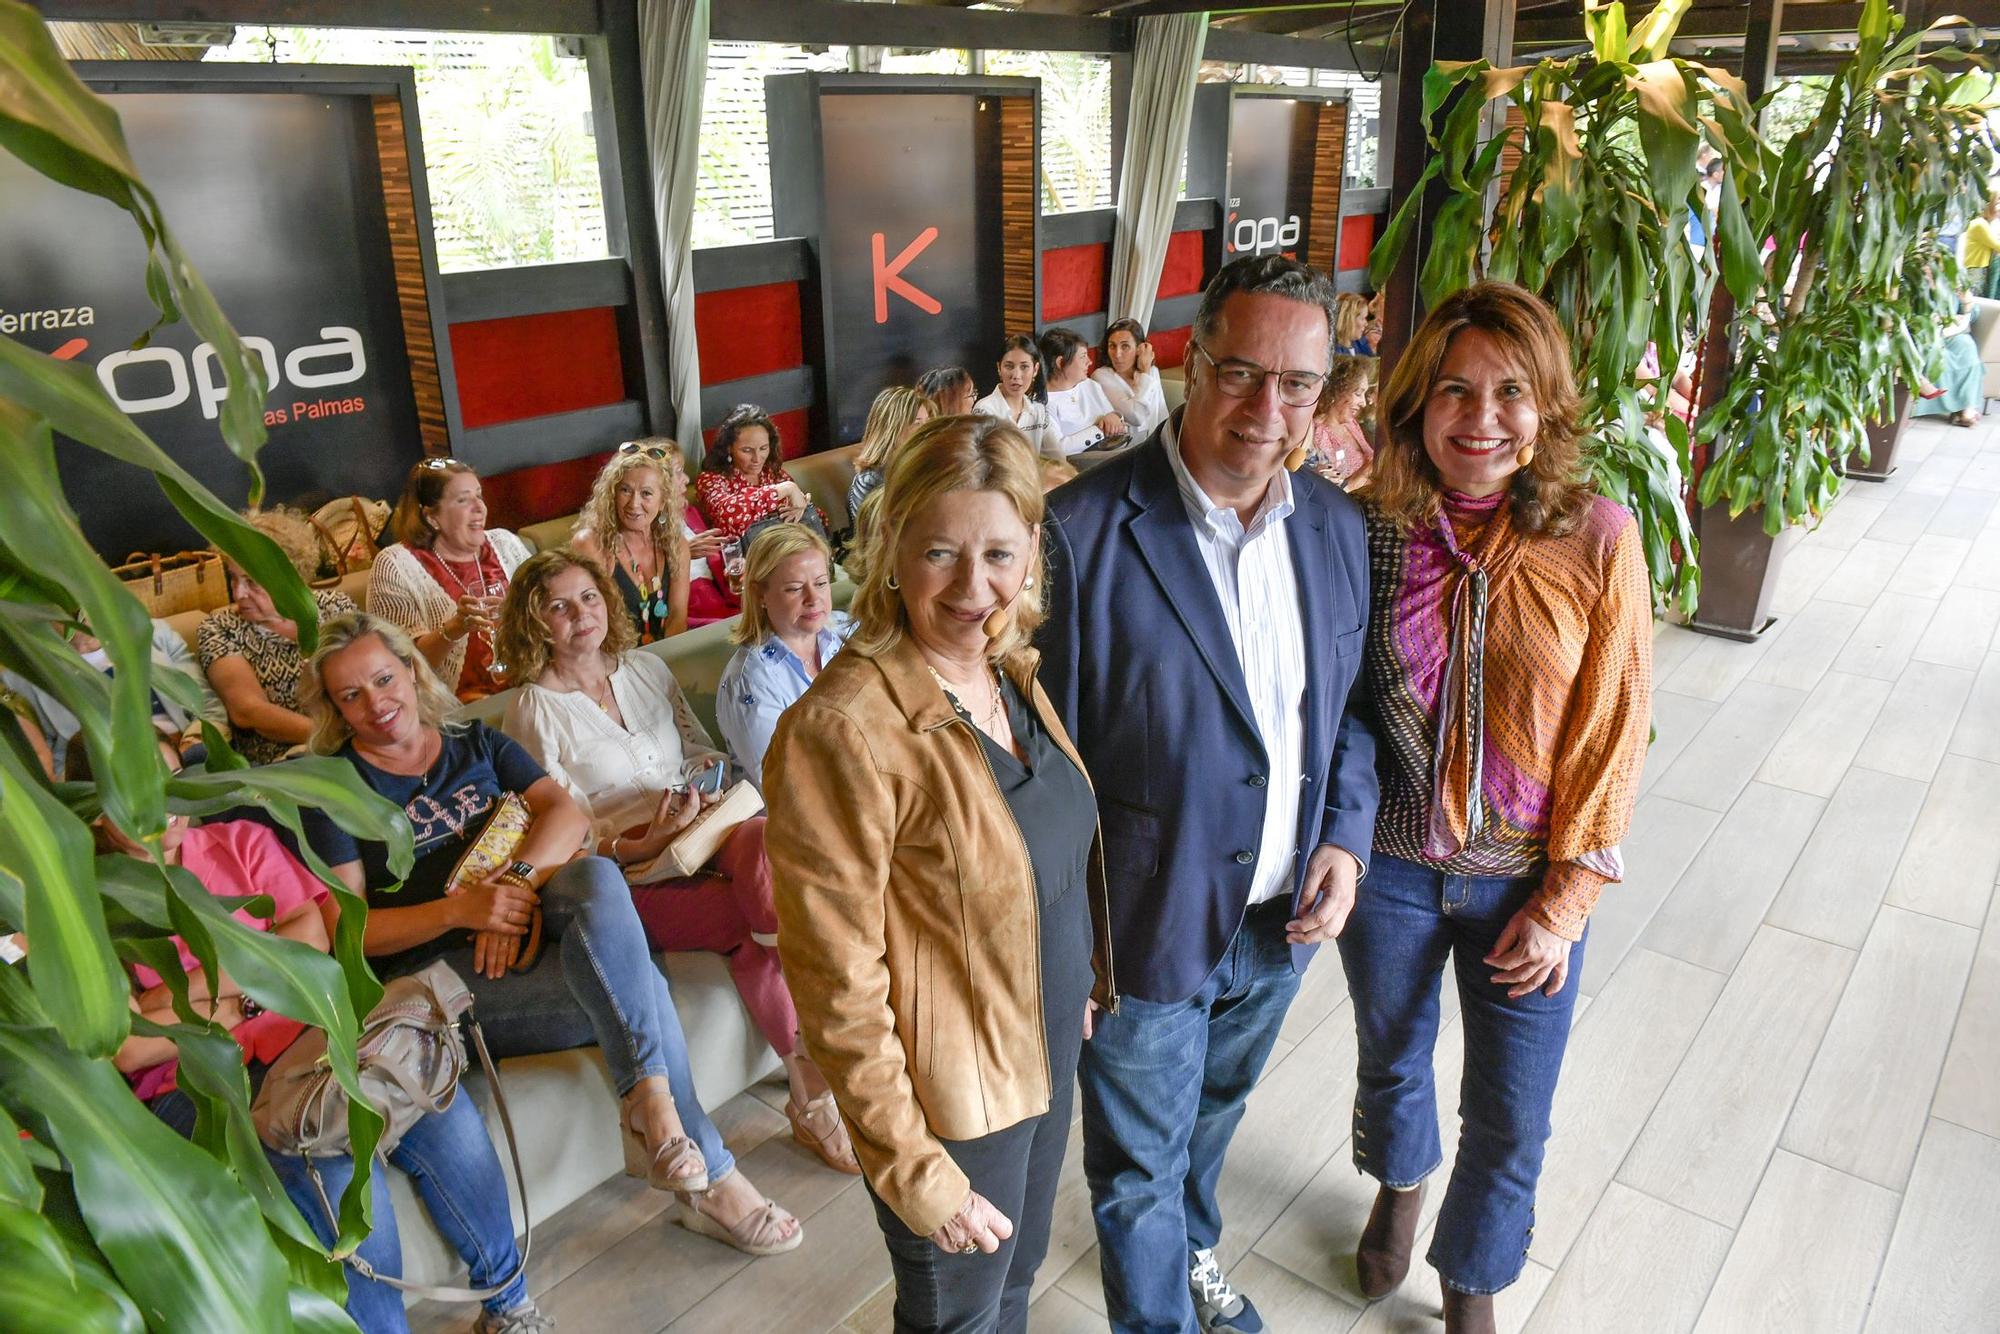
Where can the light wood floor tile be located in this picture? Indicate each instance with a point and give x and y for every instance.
(1940, 1277)
(1322, 992)
(1665, 838)
(1288, 1302)
(1861, 577)
(1072, 1234)
(1621, 1056)
(651, 1277)
(1056, 1312)
(1848, 521)
(1671, 645)
(1716, 765)
(1807, 1254)
(1865, 1099)
(1083, 1283)
(1316, 1235)
(1982, 563)
(1676, 721)
(1837, 883)
(1641, 1266)
(843, 1263)
(1707, 1142)
(1715, 666)
(1981, 475)
(1717, 906)
(1969, 1090)
(1932, 564)
(1965, 511)
(877, 1315)
(1906, 518)
(1954, 852)
(1813, 754)
(1964, 626)
(1881, 645)
(1804, 572)
(1915, 726)
(1937, 475)
(1978, 734)
(1810, 642)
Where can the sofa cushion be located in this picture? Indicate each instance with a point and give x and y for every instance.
(826, 477)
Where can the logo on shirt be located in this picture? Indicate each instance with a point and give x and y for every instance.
(456, 816)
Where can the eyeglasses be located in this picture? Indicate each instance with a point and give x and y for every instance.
(439, 465)
(1245, 379)
(650, 451)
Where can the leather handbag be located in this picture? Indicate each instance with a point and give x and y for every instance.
(411, 1057)
(489, 854)
(169, 585)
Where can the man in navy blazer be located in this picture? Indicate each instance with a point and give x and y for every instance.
(1207, 609)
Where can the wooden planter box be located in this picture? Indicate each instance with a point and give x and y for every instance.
(1883, 438)
(1739, 571)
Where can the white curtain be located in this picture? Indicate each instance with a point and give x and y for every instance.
(1165, 61)
(673, 58)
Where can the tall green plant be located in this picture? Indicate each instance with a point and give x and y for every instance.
(108, 1220)
(1593, 217)
(1826, 313)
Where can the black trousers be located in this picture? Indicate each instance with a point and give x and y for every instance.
(1016, 1169)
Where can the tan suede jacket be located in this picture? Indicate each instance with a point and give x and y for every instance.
(908, 923)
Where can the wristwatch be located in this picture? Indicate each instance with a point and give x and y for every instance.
(519, 870)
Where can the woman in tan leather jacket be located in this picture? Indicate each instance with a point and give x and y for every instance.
(933, 846)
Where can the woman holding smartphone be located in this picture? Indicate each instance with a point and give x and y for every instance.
(611, 726)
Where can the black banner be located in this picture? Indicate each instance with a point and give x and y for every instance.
(1270, 175)
(910, 251)
(278, 201)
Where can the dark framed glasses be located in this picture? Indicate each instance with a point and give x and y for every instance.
(1245, 379)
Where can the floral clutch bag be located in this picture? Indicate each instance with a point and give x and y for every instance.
(489, 854)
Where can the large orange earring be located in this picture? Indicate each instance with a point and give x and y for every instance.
(1526, 456)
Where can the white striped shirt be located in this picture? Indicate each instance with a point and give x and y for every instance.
(1251, 569)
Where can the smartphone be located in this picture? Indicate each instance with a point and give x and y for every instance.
(711, 779)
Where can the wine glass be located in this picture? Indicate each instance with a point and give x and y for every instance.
(732, 562)
(495, 593)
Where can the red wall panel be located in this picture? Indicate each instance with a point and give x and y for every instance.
(530, 495)
(532, 365)
(1181, 274)
(794, 436)
(747, 331)
(1357, 239)
(1169, 345)
(1073, 281)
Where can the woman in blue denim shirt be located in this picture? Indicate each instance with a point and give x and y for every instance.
(788, 631)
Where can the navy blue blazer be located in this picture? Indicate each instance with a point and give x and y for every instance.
(1138, 660)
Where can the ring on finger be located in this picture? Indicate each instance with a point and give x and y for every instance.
(970, 1248)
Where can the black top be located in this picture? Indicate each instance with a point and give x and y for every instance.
(649, 615)
(1056, 813)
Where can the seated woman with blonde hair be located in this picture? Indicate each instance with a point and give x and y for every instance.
(250, 653)
(635, 525)
(610, 725)
(788, 632)
(896, 411)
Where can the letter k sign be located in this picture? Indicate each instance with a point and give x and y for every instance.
(889, 275)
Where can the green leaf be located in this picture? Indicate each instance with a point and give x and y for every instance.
(179, 1232)
(43, 1286)
(1382, 260)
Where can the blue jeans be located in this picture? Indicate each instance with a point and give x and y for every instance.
(451, 1162)
(1408, 919)
(595, 983)
(1163, 1090)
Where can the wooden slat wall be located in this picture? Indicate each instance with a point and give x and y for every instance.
(393, 149)
(1329, 171)
(1017, 210)
(1510, 156)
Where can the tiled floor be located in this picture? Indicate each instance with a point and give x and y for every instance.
(1781, 1108)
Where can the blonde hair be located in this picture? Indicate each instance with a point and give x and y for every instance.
(768, 550)
(1551, 493)
(330, 731)
(522, 641)
(1350, 318)
(599, 515)
(945, 456)
(292, 531)
(890, 417)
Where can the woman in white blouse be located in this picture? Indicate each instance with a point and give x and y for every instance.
(610, 724)
(1078, 409)
(1128, 379)
(1013, 399)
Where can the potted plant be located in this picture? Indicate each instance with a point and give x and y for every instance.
(1822, 331)
(1592, 216)
(112, 1221)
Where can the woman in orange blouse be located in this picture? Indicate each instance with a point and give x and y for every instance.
(1509, 660)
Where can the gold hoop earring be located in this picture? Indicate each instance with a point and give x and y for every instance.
(894, 587)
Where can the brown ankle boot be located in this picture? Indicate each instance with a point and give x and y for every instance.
(1383, 1257)
(1467, 1313)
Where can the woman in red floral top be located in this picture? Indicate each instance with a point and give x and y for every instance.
(742, 479)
